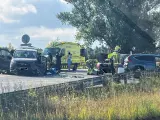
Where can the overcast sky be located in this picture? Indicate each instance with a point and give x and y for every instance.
(37, 18)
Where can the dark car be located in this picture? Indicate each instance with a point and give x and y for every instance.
(28, 62)
(141, 62)
(5, 59)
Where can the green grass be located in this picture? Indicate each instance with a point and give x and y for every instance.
(114, 102)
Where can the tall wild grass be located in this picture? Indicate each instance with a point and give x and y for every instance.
(113, 102)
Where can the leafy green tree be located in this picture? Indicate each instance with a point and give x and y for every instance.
(53, 43)
(10, 47)
(99, 20)
(40, 50)
(145, 13)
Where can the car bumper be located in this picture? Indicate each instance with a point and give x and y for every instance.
(23, 70)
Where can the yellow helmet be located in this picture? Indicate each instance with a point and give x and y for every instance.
(117, 48)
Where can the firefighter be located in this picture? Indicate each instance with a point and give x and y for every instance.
(115, 54)
(112, 65)
(58, 62)
(114, 58)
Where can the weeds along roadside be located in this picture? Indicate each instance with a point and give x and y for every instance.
(115, 101)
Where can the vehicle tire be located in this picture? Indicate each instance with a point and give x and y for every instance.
(17, 73)
(137, 72)
(11, 72)
(101, 72)
(41, 73)
(138, 69)
(128, 70)
(8, 72)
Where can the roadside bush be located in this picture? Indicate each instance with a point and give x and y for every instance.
(91, 63)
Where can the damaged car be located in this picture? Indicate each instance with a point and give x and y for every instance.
(28, 62)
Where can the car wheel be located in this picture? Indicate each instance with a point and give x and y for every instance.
(8, 72)
(137, 72)
(16, 73)
(138, 69)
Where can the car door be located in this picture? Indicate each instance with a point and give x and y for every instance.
(148, 61)
(151, 63)
(5, 59)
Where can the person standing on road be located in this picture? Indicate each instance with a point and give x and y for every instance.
(58, 62)
(112, 65)
(115, 59)
(69, 60)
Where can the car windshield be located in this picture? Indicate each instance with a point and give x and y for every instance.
(52, 51)
(25, 54)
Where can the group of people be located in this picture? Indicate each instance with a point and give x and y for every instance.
(58, 61)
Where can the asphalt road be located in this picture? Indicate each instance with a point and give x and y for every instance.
(10, 83)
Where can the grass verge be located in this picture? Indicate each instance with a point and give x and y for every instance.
(114, 102)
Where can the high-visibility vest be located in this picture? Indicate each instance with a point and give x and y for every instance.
(117, 48)
(110, 55)
(115, 56)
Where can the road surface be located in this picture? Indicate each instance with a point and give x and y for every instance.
(10, 83)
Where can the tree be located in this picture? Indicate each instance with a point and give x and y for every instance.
(40, 50)
(53, 43)
(90, 53)
(10, 47)
(94, 53)
(96, 20)
(154, 17)
(145, 13)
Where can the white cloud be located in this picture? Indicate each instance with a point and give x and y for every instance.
(11, 11)
(7, 20)
(63, 1)
(5, 40)
(64, 34)
(10, 8)
(40, 36)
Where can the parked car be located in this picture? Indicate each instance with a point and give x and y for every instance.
(141, 62)
(5, 59)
